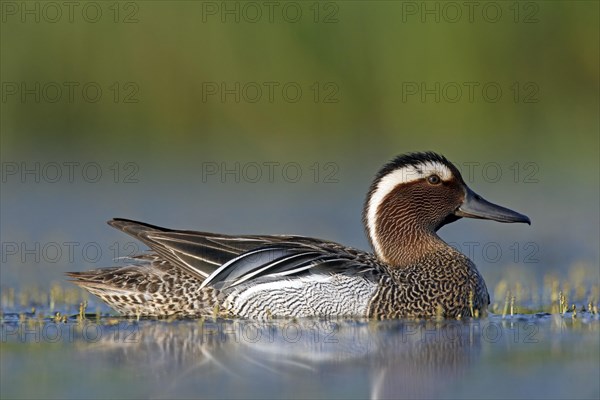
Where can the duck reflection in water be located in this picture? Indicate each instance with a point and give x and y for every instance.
(293, 358)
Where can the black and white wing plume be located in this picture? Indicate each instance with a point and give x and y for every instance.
(223, 261)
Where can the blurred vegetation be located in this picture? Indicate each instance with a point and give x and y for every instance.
(368, 50)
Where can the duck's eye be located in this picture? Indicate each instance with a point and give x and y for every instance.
(434, 179)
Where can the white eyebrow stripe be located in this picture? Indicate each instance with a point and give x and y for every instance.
(386, 184)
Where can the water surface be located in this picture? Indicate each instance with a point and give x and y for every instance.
(533, 356)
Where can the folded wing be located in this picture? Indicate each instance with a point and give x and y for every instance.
(223, 261)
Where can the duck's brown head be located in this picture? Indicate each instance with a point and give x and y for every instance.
(413, 196)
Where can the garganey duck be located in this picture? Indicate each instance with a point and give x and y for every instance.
(412, 273)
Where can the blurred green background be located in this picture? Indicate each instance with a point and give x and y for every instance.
(365, 48)
(376, 79)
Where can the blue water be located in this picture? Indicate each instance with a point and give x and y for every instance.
(524, 356)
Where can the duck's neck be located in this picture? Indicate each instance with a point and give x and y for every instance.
(401, 245)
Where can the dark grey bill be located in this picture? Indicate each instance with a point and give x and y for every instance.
(475, 206)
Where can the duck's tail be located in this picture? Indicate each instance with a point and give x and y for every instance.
(151, 288)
